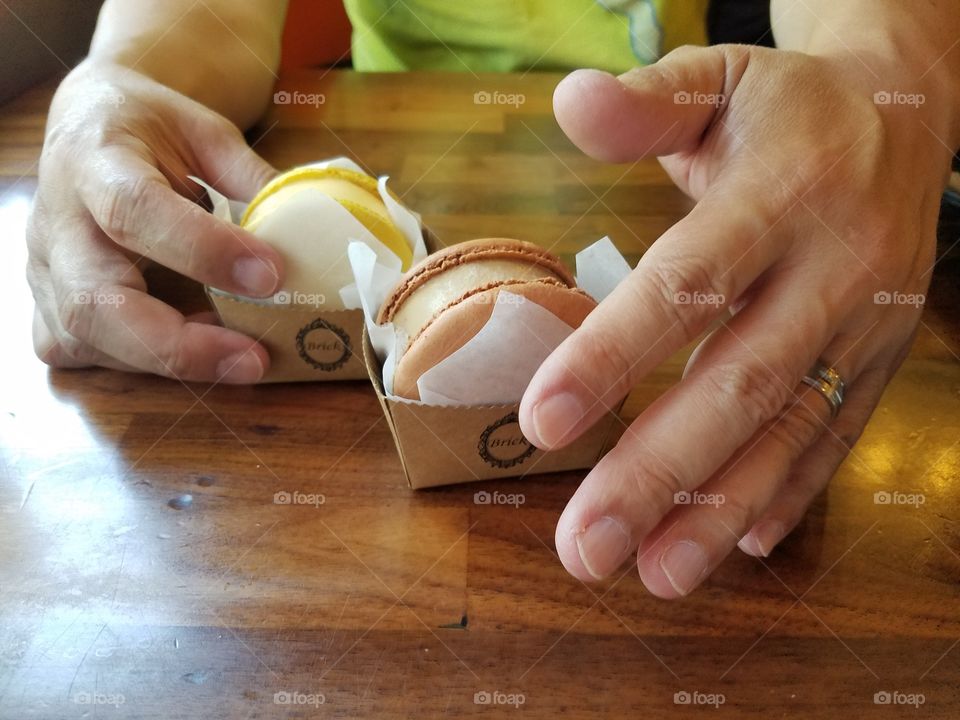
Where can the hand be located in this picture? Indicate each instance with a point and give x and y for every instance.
(813, 237)
(113, 192)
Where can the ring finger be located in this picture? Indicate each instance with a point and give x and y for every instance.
(702, 532)
(707, 523)
(815, 467)
(745, 375)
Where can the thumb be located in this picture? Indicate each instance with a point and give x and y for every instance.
(657, 110)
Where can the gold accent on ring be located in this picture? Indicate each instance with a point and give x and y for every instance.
(827, 381)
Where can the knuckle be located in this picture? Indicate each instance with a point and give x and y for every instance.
(75, 311)
(34, 276)
(34, 234)
(253, 169)
(608, 360)
(809, 170)
(61, 350)
(73, 348)
(658, 75)
(72, 353)
(756, 391)
(46, 353)
(262, 173)
(797, 428)
(876, 245)
(45, 345)
(50, 354)
(203, 259)
(177, 361)
(686, 290)
(122, 198)
(654, 484)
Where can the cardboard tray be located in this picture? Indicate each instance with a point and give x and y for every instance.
(305, 343)
(443, 445)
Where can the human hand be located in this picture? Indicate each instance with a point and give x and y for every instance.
(113, 193)
(813, 236)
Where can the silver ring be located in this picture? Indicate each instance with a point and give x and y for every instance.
(827, 381)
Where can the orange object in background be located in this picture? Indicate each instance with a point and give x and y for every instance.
(316, 34)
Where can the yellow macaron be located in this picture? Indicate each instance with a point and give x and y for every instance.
(356, 192)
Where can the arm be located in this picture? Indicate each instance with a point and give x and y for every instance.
(222, 53)
(906, 47)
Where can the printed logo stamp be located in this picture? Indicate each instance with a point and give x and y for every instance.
(324, 345)
(502, 445)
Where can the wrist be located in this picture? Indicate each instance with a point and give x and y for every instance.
(902, 55)
(234, 81)
(917, 90)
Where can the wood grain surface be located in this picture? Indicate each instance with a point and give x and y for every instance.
(146, 572)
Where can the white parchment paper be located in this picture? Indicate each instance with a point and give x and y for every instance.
(307, 212)
(506, 352)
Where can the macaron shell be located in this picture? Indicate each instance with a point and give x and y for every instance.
(471, 250)
(454, 326)
(293, 177)
(313, 220)
(432, 294)
(341, 190)
(358, 193)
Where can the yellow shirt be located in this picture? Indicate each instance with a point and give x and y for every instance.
(511, 35)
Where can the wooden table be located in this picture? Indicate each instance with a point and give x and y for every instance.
(120, 598)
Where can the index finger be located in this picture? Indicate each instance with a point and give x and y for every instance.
(149, 335)
(685, 281)
(135, 206)
(100, 299)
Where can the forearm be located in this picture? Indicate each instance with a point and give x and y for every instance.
(900, 47)
(222, 53)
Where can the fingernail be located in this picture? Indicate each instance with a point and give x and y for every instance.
(554, 417)
(767, 534)
(243, 367)
(256, 276)
(684, 563)
(603, 546)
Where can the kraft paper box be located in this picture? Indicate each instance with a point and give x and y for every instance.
(304, 342)
(308, 337)
(467, 432)
(446, 445)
